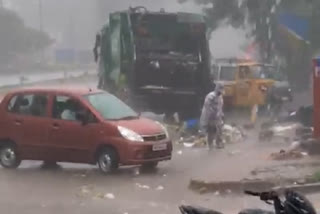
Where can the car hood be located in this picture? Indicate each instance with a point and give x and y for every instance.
(141, 126)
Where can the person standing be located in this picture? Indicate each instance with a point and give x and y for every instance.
(211, 120)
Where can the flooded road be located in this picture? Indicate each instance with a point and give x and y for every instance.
(81, 189)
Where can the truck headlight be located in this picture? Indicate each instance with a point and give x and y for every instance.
(130, 135)
(165, 130)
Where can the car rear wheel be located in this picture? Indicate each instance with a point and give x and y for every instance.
(108, 161)
(9, 158)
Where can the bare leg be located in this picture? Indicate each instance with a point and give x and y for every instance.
(210, 137)
(219, 140)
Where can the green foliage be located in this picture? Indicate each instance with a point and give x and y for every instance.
(261, 15)
(17, 39)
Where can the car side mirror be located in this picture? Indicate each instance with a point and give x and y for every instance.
(83, 117)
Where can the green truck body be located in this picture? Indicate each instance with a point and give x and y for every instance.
(156, 61)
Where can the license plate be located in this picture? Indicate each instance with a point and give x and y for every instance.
(159, 147)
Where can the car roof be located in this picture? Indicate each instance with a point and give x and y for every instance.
(69, 89)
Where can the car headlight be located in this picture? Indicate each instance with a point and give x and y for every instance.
(165, 130)
(129, 134)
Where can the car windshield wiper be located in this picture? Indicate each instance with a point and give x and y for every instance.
(129, 117)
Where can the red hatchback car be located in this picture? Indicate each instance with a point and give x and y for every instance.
(78, 125)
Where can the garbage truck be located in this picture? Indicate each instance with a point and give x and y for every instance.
(155, 61)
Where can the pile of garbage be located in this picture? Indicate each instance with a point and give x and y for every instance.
(288, 155)
(192, 137)
(279, 130)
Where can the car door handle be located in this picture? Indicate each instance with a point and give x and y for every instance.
(18, 122)
(55, 126)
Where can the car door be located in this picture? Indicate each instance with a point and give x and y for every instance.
(69, 139)
(28, 122)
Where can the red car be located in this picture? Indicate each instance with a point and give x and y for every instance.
(78, 125)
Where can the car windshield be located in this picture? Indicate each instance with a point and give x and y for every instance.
(110, 107)
(228, 73)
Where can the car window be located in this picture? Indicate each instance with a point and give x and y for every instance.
(66, 108)
(110, 107)
(29, 104)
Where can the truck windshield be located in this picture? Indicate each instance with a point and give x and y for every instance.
(110, 107)
(228, 73)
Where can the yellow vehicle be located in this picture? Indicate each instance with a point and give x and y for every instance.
(246, 83)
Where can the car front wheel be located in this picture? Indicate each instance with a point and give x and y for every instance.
(9, 158)
(108, 161)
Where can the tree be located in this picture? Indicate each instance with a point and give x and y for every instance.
(260, 18)
(17, 39)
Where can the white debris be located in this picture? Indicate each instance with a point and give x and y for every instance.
(217, 193)
(109, 196)
(142, 186)
(179, 152)
(85, 190)
(160, 188)
(188, 145)
(295, 145)
(304, 153)
(164, 175)
(137, 171)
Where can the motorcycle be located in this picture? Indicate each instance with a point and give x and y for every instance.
(293, 203)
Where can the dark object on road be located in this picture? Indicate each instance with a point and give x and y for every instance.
(50, 166)
(196, 210)
(78, 125)
(294, 202)
(162, 60)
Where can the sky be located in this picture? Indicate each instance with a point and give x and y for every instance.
(74, 23)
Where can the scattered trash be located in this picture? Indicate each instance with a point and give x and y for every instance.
(137, 171)
(160, 188)
(287, 155)
(279, 130)
(217, 193)
(85, 190)
(164, 175)
(234, 152)
(100, 195)
(109, 196)
(203, 190)
(188, 145)
(142, 186)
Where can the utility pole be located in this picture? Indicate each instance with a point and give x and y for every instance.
(40, 16)
(41, 26)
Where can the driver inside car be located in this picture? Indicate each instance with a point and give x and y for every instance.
(70, 110)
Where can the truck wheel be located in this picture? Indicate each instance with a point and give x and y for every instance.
(108, 161)
(9, 158)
